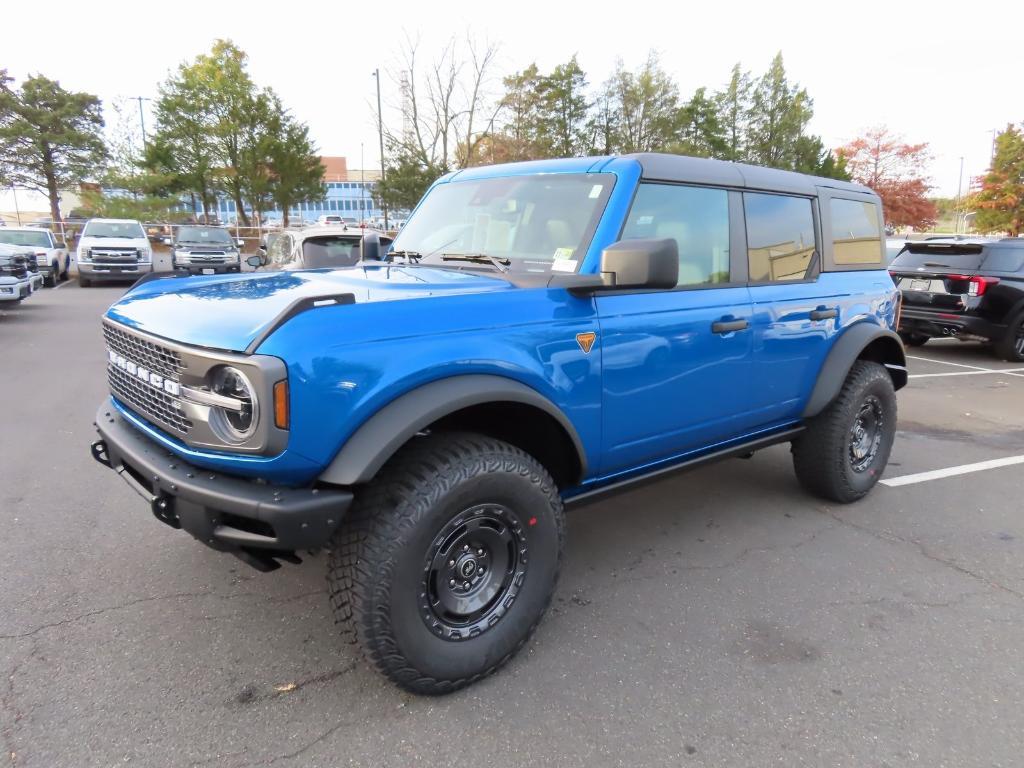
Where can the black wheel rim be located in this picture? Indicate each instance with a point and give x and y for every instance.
(866, 434)
(474, 569)
(1018, 344)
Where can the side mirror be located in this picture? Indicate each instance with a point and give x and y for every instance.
(256, 260)
(369, 248)
(640, 264)
(239, 243)
(60, 244)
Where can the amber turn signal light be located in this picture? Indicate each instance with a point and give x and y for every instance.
(281, 405)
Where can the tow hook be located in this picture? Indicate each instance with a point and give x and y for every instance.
(163, 510)
(99, 452)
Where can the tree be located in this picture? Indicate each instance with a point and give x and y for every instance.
(700, 128)
(812, 157)
(562, 122)
(521, 105)
(297, 173)
(407, 178)
(733, 110)
(50, 138)
(896, 171)
(778, 114)
(646, 105)
(999, 203)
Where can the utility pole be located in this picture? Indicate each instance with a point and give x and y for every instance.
(142, 118)
(17, 211)
(362, 185)
(380, 133)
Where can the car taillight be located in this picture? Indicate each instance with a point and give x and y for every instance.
(976, 284)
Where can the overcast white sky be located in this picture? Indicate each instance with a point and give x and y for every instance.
(934, 72)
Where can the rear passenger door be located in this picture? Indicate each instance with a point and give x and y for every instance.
(677, 365)
(795, 312)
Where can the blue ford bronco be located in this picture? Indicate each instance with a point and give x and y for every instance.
(538, 334)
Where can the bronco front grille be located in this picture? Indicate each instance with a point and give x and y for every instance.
(150, 402)
(155, 357)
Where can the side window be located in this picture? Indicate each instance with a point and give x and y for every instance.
(780, 237)
(696, 218)
(856, 237)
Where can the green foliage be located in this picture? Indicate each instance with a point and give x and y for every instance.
(644, 107)
(1000, 202)
(141, 207)
(406, 180)
(50, 138)
(778, 115)
(216, 130)
(562, 122)
(700, 131)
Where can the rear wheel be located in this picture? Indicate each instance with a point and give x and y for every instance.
(448, 561)
(1011, 346)
(844, 450)
(53, 278)
(914, 339)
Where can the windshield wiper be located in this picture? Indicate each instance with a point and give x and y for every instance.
(479, 258)
(411, 256)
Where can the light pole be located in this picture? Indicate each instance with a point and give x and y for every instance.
(959, 188)
(362, 186)
(142, 118)
(380, 133)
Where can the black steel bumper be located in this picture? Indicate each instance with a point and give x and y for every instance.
(203, 269)
(930, 323)
(259, 523)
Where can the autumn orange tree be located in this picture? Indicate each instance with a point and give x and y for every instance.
(999, 204)
(896, 171)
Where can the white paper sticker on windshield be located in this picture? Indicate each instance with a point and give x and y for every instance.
(563, 265)
(595, 191)
(643, 221)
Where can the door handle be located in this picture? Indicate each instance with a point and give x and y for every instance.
(728, 326)
(824, 314)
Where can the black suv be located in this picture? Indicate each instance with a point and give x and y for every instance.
(972, 290)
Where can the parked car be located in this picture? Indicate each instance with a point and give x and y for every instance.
(15, 283)
(202, 250)
(113, 249)
(316, 248)
(51, 253)
(972, 290)
(330, 220)
(427, 416)
(35, 275)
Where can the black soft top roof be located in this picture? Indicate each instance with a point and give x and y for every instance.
(702, 170)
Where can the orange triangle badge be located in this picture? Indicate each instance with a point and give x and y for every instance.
(586, 341)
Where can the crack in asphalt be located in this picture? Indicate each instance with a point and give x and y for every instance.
(893, 538)
(155, 598)
(879, 601)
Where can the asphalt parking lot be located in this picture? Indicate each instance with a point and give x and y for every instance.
(719, 618)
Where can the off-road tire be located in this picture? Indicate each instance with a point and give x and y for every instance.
(914, 339)
(379, 560)
(823, 455)
(52, 280)
(1011, 346)
(84, 282)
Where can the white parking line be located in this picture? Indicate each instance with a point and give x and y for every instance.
(963, 469)
(1011, 371)
(978, 368)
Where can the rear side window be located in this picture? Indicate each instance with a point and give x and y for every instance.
(856, 236)
(1004, 259)
(696, 218)
(780, 237)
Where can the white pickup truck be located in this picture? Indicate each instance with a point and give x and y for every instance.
(51, 254)
(113, 249)
(15, 280)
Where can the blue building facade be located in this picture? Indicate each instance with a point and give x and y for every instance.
(350, 199)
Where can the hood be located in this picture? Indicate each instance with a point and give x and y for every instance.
(113, 242)
(231, 312)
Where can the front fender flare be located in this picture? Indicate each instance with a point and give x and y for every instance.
(377, 440)
(845, 352)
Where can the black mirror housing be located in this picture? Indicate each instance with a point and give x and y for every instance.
(369, 247)
(640, 264)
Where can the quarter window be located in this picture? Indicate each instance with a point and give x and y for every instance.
(696, 218)
(856, 236)
(780, 237)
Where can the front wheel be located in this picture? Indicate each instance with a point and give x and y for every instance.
(448, 561)
(844, 449)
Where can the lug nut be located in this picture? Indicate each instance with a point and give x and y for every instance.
(451, 563)
(451, 583)
(482, 570)
(465, 585)
(465, 547)
(480, 552)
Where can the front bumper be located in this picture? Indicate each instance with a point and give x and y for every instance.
(207, 269)
(938, 324)
(15, 290)
(128, 271)
(258, 522)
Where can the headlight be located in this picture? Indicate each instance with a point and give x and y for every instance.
(182, 256)
(145, 254)
(235, 423)
(83, 255)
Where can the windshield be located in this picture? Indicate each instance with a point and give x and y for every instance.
(204, 235)
(330, 251)
(128, 229)
(35, 239)
(537, 223)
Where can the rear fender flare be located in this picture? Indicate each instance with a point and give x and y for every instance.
(887, 348)
(377, 440)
